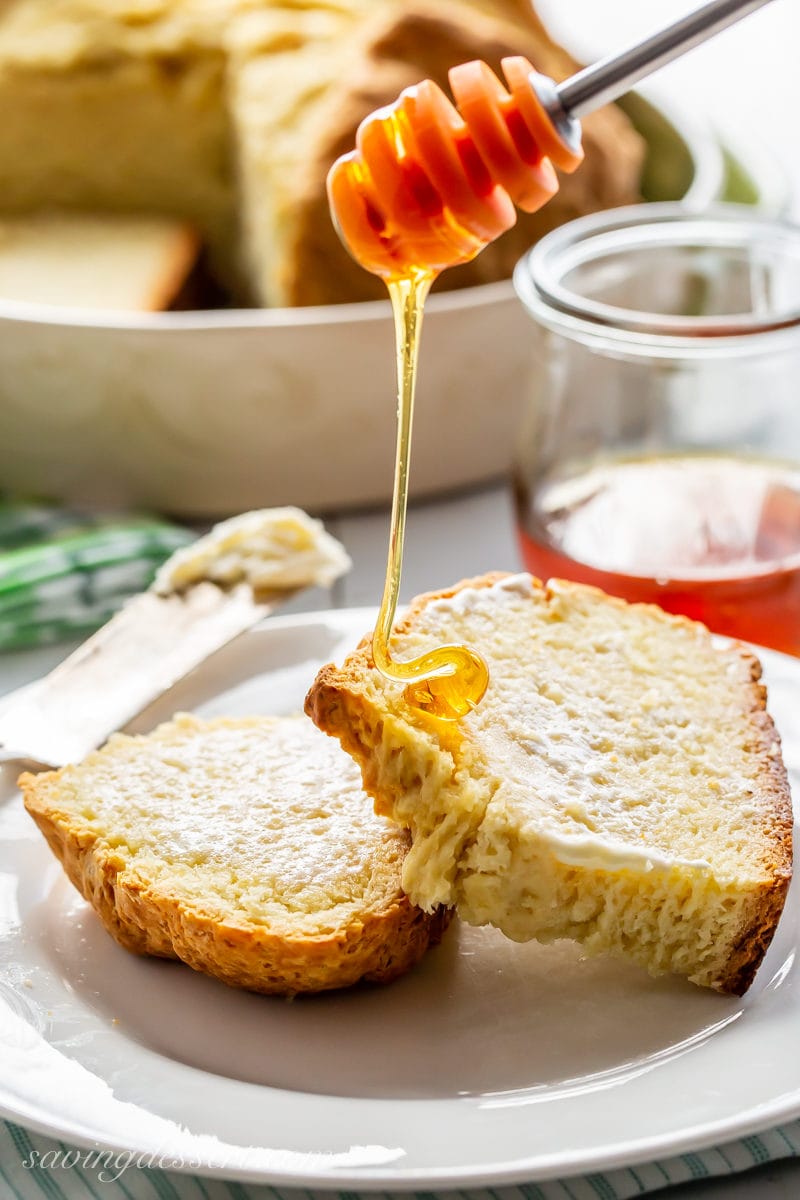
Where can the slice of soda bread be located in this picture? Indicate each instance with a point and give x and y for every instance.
(244, 847)
(100, 261)
(620, 784)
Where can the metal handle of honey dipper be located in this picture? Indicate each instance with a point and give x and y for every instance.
(614, 76)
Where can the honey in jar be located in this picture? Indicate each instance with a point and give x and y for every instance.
(660, 458)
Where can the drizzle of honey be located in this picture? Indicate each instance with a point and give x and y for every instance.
(427, 188)
(448, 681)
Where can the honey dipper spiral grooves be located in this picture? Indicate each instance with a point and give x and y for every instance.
(430, 184)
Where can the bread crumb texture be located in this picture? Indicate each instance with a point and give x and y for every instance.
(244, 847)
(621, 783)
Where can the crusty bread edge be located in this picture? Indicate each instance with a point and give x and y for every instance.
(769, 901)
(337, 704)
(179, 260)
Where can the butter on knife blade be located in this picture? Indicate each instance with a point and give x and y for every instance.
(202, 597)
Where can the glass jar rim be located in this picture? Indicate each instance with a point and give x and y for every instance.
(539, 274)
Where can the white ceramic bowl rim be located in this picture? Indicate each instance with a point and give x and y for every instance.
(245, 318)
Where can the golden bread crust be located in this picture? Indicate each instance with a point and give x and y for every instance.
(343, 702)
(375, 945)
(768, 903)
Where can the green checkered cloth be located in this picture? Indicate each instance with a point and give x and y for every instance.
(38, 1168)
(64, 573)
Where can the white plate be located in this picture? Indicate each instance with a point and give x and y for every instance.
(489, 1063)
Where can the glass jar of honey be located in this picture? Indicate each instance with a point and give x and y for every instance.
(660, 456)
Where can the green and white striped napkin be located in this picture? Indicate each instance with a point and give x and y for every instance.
(38, 1168)
(64, 573)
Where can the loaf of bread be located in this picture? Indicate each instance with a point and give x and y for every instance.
(620, 784)
(290, 134)
(244, 847)
(226, 114)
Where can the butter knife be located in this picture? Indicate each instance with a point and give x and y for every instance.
(202, 597)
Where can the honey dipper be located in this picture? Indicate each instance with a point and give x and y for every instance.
(430, 184)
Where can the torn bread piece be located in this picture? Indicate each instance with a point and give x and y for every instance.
(244, 847)
(98, 261)
(620, 784)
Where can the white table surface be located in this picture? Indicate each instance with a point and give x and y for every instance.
(747, 81)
